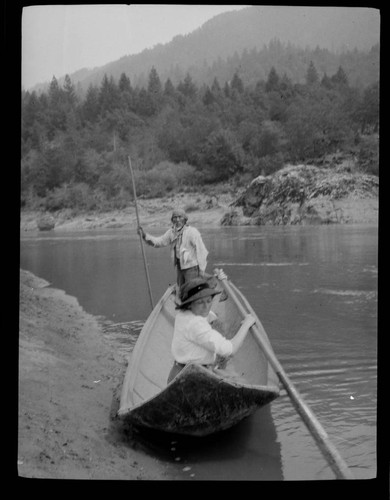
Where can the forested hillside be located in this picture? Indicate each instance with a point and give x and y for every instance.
(185, 135)
(178, 58)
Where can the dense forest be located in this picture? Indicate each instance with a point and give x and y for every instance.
(184, 136)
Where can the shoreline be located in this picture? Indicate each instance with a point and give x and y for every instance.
(202, 211)
(69, 384)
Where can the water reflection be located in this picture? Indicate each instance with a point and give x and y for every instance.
(248, 451)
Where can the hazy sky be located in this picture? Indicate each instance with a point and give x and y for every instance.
(61, 39)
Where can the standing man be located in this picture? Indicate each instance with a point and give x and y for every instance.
(188, 251)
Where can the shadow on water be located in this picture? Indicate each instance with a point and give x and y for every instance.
(247, 451)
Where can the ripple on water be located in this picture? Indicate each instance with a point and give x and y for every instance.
(122, 335)
(341, 393)
(365, 294)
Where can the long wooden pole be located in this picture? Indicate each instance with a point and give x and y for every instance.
(140, 237)
(327, 448)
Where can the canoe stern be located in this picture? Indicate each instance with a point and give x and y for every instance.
(198, 402)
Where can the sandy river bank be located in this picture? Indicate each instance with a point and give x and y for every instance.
(202, 210)
(69, 382)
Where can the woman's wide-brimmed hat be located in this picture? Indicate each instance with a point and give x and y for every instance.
(198, 288)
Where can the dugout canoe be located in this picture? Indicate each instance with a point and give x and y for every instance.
(198, 401)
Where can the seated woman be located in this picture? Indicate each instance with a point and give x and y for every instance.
(194, 339)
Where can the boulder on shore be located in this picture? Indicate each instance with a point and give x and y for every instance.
(45, 223)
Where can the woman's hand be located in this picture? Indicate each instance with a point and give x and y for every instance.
(248, 321)
(243, 331)
(219, 273)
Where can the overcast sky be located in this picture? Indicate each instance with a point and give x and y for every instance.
(61, 39)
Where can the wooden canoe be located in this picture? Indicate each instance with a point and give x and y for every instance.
(198, 401)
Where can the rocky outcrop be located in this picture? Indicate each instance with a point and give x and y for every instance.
(306, 194)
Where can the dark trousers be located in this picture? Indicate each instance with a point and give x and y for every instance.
(184, 275)
(176, 369)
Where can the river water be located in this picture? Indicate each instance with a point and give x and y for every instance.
(314, 289)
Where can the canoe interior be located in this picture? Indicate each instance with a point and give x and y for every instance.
(151, 360)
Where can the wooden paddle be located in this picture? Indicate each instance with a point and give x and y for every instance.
(327, 448)
(140, 237)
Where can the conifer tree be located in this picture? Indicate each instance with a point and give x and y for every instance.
(126, 92)
(169, 89)
(69, 92)
(144, 104)
(124, 84)
(30, 115)
(56, 115)
(108, 95)
(91, 106)
(272, 82)
(153, 101)
(326, 82)
(54, 92)
(237, 84)
(311, 75)
(154, 83)
(187, 87)
(208, 97)
(340, 78)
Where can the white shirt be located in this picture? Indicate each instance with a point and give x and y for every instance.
(195, 341)
(192, 249)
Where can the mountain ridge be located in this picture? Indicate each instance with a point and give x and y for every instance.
(229, 34)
